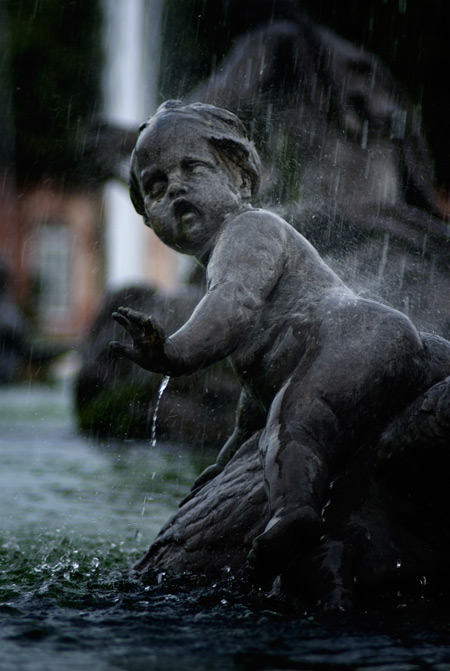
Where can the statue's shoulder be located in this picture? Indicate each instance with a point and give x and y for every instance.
(259, 219)
(258, 230)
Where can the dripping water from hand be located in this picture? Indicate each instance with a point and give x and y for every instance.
(162, 388)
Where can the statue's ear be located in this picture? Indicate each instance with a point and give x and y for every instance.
(135, 192)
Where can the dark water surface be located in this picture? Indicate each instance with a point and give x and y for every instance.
(74, 516)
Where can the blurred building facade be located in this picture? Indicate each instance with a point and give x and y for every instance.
(64, 244)
(51, 246)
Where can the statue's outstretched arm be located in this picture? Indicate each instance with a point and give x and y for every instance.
(243, 269)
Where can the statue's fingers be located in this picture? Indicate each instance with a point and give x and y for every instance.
(150, 326)
(120, 349)
(138, 324)
(133, 316)
(121, 319)
(153, 329)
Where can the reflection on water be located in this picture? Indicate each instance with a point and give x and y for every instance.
(74, 516)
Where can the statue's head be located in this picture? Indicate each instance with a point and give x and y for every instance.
(222, 130)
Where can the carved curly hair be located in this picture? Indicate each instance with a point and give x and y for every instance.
(222, 129)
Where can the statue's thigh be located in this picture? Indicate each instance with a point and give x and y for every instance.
(336, 392)
(300, 418)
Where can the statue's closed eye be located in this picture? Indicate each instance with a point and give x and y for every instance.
(195, 167)
(156, 187)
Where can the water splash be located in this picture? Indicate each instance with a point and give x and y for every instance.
(162, 388)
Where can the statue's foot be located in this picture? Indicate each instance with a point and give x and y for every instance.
(285, 537)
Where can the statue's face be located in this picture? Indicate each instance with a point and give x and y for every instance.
(187, 189)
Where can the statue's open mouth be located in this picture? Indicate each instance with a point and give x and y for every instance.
(184, 211)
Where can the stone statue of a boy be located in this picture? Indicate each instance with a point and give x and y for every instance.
(322, 370)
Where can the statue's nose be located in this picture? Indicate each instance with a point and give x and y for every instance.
(176, 188)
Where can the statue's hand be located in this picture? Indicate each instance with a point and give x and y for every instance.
(148, 347)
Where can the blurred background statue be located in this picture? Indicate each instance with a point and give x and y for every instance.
(346, 160)
(345, 157)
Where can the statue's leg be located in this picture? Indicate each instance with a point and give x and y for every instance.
(294, 449)
(341, 400)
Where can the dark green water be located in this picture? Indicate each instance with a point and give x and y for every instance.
(74, 516)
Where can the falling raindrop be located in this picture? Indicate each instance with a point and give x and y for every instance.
(144, 505)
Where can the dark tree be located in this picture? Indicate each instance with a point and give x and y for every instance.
(55, 62)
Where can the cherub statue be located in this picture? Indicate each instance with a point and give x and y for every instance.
(322, 370)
